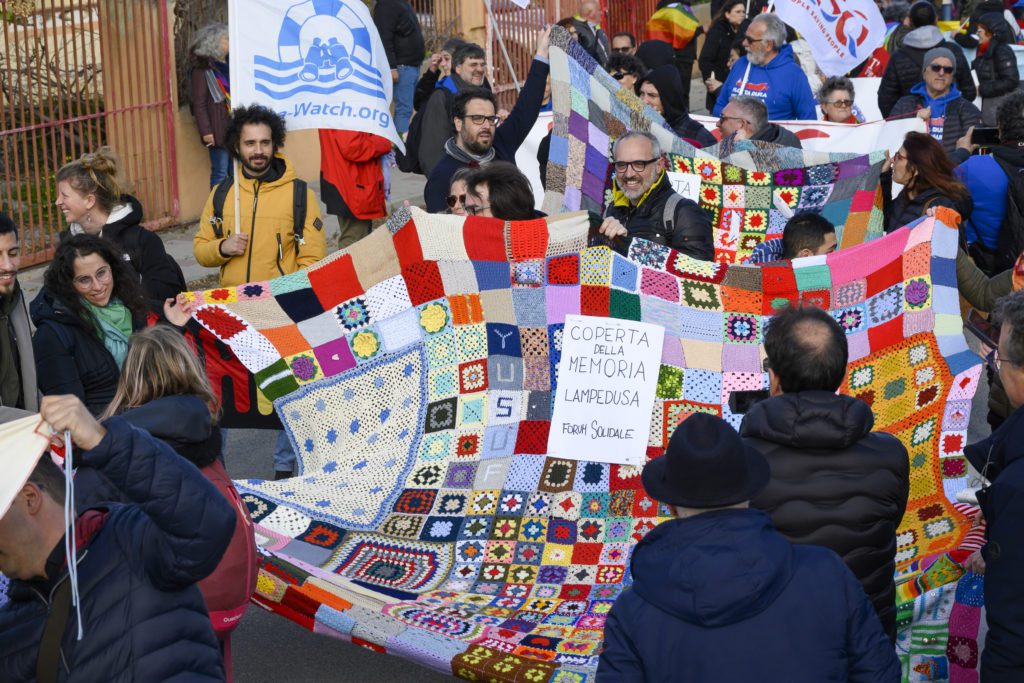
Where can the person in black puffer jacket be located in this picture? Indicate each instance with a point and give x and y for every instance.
(662, 89)
(143, 617)
(640, 205)
(822, 452)
(926, 173)
(996, 65)
(714, 56)
(95, 203)
(82, 329)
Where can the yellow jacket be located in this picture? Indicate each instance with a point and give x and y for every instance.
(271, 250)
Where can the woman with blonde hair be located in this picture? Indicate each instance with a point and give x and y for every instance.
(164, 390)
(95, 201)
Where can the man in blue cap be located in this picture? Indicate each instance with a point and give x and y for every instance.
(719, 594)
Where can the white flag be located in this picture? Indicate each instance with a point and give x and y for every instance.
(318, 63)
(841, 33)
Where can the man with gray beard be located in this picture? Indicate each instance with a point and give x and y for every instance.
(644, 204)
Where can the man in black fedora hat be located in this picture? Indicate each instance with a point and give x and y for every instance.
(718, 594)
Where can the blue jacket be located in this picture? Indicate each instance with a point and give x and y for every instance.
(724, 597)
(1000, 458)
(143, 616)
(507, 138)
(987, 184)
(781, 84)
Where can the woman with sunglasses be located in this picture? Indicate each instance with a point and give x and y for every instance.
(626, 69)
(457, 193)
(714, 56)
(835, 97)
(938, 101)
(925, 171)
(89, 306)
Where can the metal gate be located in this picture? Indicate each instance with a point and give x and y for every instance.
(76, 75)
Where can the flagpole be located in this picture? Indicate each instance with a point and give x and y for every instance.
(501, 44)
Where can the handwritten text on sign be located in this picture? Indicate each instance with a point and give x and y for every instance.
(686, 184)
(607, 377)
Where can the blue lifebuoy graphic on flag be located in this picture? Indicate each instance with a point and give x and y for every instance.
(322, 48)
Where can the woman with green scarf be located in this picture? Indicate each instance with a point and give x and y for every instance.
(90, 304)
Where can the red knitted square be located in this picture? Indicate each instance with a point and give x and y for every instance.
(587, 553)
(423, 280)
(595, 300)
(532, 437)
(778, 284)
(574, 591)
(484, 239)
(407, 245)
(817, 297)
(564, 270)
(335, 282)
(529, 239)
(887, 334)
(885, 277)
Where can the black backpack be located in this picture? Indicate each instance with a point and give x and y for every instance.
(410, 161)
(299, 198)
(1010, 242)
(131, 244)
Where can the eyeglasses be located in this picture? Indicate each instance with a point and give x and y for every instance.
(723, 119)
(938, 68)
(996, 362)
(475, 210)
(103, 276)
(480, 119)
(899, 156)
(638, 166)
(842, 104)
(454, 199)
(622, 50)
(619, 75)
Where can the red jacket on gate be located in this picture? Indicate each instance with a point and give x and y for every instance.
(351, 162)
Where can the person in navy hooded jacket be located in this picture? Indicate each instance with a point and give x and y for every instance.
(719, 595)
(769, 72)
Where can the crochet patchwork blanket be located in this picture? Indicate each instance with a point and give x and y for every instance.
(750, 188)
(415, 374)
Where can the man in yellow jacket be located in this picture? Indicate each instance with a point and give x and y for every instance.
(266, 245)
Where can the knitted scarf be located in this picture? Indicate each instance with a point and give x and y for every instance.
(468, 158)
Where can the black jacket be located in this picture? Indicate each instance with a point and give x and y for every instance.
(160, 276)
(691, 230)
(822, 452)
(997, 66)
(507, 138)
(903, 210)
(999, 458)
(400, 32)
(673, 104)
(595, 42)
(714, 56)
(773, 132)
(720, 594)
(904, 68)
(70, 358)
(144, 618)
(425, 88)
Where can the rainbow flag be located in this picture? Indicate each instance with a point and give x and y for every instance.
(675, 24)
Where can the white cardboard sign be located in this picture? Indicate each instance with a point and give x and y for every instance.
(686, 184)
(607, 377)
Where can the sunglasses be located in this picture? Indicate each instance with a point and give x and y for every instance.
(842, 104)
(454, 199)
(619, 75)
(938, 68)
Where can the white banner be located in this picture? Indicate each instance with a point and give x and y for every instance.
(857, 138)
(318, 64)
(607, 377)
(841, 33)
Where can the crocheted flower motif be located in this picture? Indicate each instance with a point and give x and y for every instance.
(220, 295)
(758, 178)
(365, 345)
(433, 318)
(741, 328)
(791, 177)
(916, 293)
(732, 174)
(473, 377)
(253, 291)
(711, 196)
(850, 319)
(468, 444)
(861, 377)
(885, 305)
(304, 368)
(815, 196)
(353, 314)
(709, 171)
(755, 221)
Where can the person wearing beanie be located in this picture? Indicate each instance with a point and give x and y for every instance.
(938, 101)
(718, 592)
(904, 68)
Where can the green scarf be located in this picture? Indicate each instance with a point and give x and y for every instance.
(114, 323)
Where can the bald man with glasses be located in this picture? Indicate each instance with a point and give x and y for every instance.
(644, 204)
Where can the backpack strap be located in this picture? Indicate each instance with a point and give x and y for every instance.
(49, 656)
(219, 196)
(299, 213)
(668, 216)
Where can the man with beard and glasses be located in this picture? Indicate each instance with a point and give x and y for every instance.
(17, 364)
(271, 240)
(478, 138)
(644, 204)
(769, 73)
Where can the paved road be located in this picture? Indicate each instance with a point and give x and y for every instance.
(270, 649)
